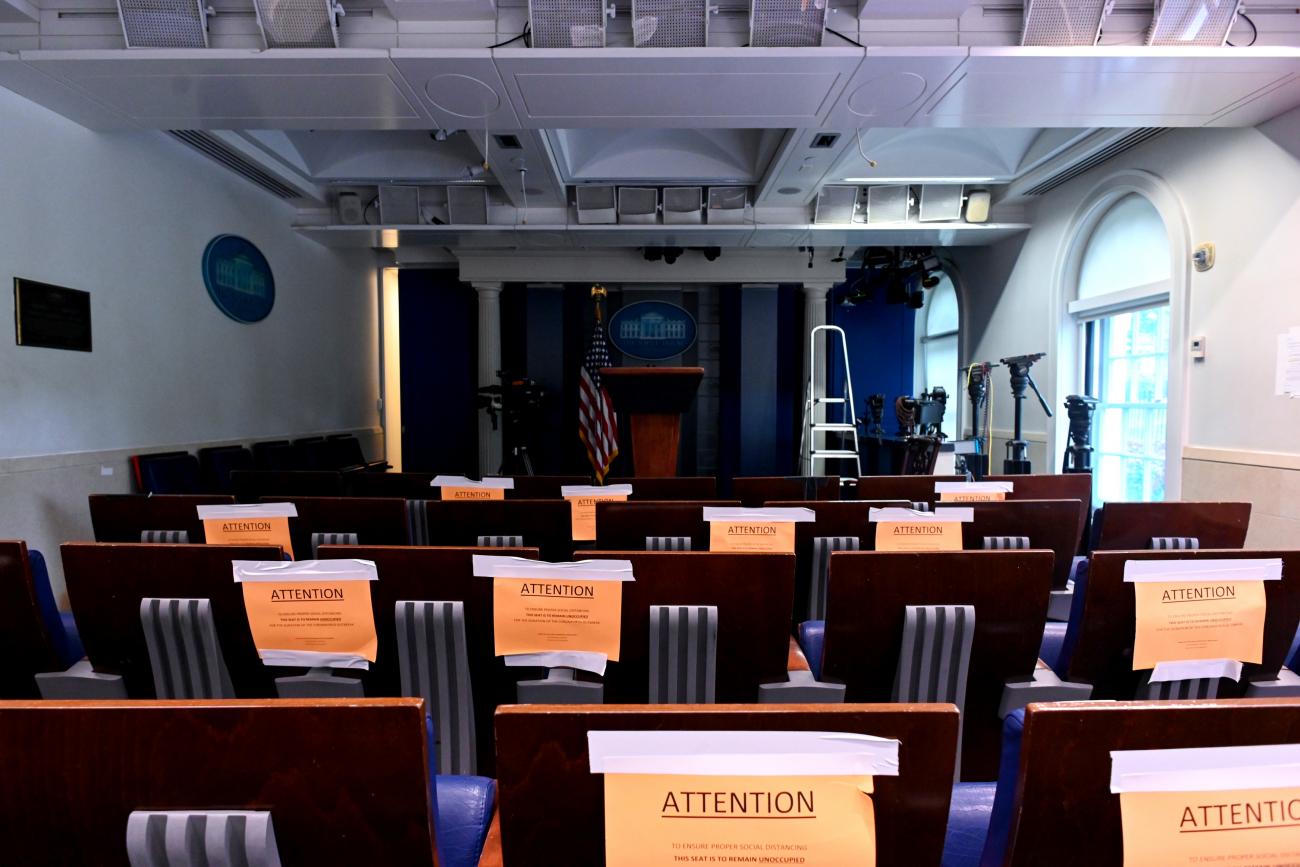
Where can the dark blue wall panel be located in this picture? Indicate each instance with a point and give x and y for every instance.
(881, 338)
(439, 349)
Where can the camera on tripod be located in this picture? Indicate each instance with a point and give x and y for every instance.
(515, 408)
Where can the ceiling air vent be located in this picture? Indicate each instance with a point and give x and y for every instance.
(836, 205)
(683, 205)
(940, 202)
(890, 203)
(638, 205)
(824, 140)
(595, 204)
(214, 149)
(727, 204)
(1096, 158)
(467, 206)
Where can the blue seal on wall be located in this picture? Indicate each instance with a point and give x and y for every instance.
(652, 330)
(238, 278)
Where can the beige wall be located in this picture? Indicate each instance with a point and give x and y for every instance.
(1269, 481)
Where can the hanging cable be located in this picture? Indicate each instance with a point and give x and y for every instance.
(1254, 32)
(523, 186)
(858, 133)
(845, 38)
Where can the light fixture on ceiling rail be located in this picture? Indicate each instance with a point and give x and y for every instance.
(467, 206)
(940, 203)
(568, 23)
(683, 204)
(787, 23)
(596, 204)
(638, 205)
(166, 24)
(299, 23)
(934, 180)
(727, 205)
(889, 204)
(836, 204)
(1193, 22)
(671, 23)
(1054, 23)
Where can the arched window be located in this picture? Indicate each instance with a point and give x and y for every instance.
(1122, 305)
(938, 325)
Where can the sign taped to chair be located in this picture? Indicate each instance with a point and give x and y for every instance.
(754, 531)
(314, 613)
(543, 608)
(1216, 805)
(582, 505)
(1199, 609)
(464, 488)
(748, 785)
(973, 492)
(899, 529)
(251, 524)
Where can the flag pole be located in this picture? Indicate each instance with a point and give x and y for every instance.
(598, 294)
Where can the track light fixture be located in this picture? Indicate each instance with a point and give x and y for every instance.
(653, 254)
(671, 253)
(712, 253)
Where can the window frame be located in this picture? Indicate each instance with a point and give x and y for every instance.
(956, 398)
(1068, 373)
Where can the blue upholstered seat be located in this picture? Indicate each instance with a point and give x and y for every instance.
(968, 823)
(999, 825)
(60, 625)
(812, 636)
(1053, 641)
(1293, 655)
(462, 810)
(462, 813)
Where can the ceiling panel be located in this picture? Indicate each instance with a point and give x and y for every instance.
(946, 235)
(722, 87)
(231, 89)
(458, 88)
(892, 84)
(1117, 86)
(57, 96)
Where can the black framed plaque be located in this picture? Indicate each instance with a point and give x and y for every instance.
(54, 317)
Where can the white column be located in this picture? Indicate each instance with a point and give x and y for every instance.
(814, 314)
(489, 362)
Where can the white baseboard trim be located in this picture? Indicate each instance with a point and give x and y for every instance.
(1243, 457)
(63, 460)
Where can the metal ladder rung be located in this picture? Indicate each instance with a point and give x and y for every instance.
(833, 426)
(828, 400)
(848, 454)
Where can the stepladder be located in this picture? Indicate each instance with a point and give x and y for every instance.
(828, 441)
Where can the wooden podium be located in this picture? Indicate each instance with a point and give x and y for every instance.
(654, 398)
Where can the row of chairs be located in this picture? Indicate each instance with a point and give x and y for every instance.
(871, 629)
(211, 470)
(347, 782)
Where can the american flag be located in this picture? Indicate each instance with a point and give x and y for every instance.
(596, 422)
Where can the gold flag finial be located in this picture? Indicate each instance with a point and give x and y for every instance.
(598, 292)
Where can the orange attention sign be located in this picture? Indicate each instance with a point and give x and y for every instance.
(918, 536)
(657, 819)
(464, 488)
(766, 537)
(453, 493)
(538, 615)
(972, 496)
(312, 613)
(582, 504)
(1202, 620)
(259, 524)
(1247, 827)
